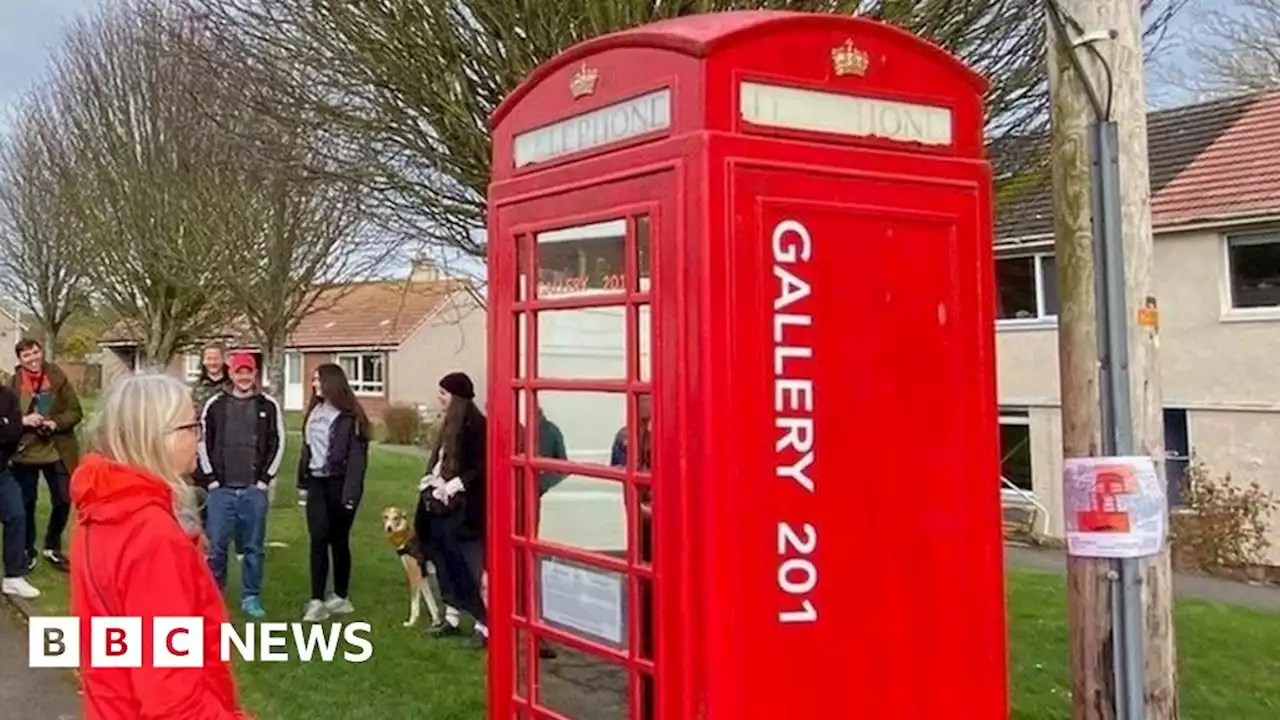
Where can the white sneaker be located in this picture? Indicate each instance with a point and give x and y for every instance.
(339, 605)
(316, 612)
(19, 587)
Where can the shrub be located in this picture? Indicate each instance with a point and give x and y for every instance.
(1223, 525)
(403, 425)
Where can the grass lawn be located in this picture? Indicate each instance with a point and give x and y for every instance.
(1229, 657)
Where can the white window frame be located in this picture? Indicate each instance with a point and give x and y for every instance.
(1229, 309)
(192, 364)
(1191, 445)
(1042, 318)
(359, 385)
(1020, 417)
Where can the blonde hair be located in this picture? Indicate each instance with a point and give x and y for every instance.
(135, 426)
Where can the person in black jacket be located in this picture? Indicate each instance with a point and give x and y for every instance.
(241, 447)
(331, 470)
(450, 517)
(12, 512)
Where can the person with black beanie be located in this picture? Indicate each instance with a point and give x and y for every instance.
(450, 516)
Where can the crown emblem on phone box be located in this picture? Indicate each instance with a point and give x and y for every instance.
(584, 81)
(849, 60)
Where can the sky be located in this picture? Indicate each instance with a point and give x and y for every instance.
(29, 31)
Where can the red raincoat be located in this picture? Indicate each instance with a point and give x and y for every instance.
(130, 557)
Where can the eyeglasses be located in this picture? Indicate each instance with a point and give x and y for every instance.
(192, 426)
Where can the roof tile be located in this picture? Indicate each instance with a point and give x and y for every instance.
(1206, 160)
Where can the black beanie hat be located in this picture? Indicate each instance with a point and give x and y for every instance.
(457, 383)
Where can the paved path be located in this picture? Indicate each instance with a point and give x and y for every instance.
(25, 692)
(1259, 597)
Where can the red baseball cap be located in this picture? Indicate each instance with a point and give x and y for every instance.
(242, 361)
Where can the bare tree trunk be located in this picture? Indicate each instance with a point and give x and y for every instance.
(1089, 586)
(273, 370)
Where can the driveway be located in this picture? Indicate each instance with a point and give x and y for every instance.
(1198, 587)
(40, 693)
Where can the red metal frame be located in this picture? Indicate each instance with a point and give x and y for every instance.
(525, 464)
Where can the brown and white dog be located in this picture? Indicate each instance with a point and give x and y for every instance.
(419, 572)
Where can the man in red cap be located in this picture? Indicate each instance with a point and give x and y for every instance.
(240, 453)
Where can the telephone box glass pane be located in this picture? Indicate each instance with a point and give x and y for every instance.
(522, 268)
(648, 698)
(521, 399)
(592, 425)
(644, 617)
(644, 436)
(579, 686)
(522, 344)
(643, 248)
(643, 344)
(583, 343)
(520, 503)
(585, 601)
(522, 583)
(522, 663)
(583, 512)
(583, 260)
(644, 522)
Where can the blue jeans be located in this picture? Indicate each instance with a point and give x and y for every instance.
(14, 517)
(239, 513)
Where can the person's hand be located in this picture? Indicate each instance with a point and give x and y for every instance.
(49, 425)
(261, 486)
(213, 485)
(350, 506)
(33, 420)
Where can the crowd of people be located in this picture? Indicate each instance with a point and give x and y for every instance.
(39, 416)
(178, 476)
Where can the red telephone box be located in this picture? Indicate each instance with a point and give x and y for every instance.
(743, 427)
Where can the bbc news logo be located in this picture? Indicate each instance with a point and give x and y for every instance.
(178, 642)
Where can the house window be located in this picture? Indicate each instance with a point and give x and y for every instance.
(1177, 449)
(1026, 288)
(194, 361)
(1015, 449)
(365, 372)
(1253, 271)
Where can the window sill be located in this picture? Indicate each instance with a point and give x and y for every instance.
(1250, 315)
(1027, 325)
(369, 393)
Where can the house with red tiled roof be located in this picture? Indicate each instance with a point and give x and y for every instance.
(1215, 204)
(393, 338)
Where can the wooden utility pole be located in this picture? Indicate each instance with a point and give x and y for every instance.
(1113, 29)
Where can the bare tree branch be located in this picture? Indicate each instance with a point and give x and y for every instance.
(401, 90)
(143, 175)
(38, 241)
(1232, 48)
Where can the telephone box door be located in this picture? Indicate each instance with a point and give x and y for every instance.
(576, 546)
(875, 284)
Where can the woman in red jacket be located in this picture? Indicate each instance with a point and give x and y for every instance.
(136, 552)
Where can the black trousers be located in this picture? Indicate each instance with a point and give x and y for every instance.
(329, 524)
(13, 516)
(459, 561)
(55, 476)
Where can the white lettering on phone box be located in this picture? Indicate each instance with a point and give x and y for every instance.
(793, 417)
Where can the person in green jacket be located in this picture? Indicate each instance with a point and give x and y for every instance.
(550, 445)
(51, 413)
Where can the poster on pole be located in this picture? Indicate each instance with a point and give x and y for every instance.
(1115, 507)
